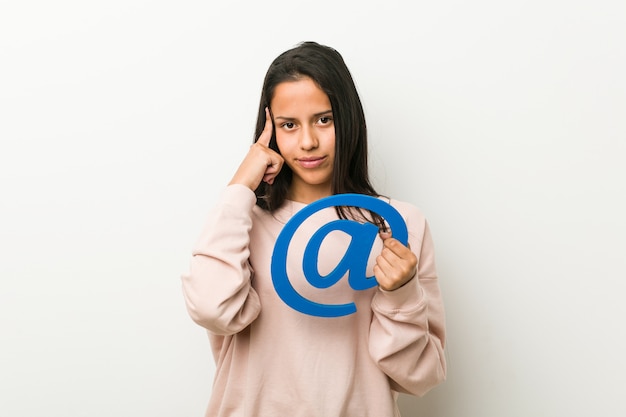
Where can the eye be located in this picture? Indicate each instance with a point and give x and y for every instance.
(324, 120)
(288, 125)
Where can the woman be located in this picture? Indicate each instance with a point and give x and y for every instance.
(272, 360)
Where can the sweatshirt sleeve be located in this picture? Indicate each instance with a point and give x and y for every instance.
(217, 289)
(407, 334)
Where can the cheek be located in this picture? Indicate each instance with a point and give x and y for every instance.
(330, 141)
(281, 143)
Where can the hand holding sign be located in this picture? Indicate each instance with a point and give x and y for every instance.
(261, 163)
(396, 265)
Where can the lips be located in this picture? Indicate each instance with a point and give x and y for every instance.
(311, 162)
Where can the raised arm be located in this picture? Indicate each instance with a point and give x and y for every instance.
(217, 288)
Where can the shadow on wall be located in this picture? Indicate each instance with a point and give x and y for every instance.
(411, 406)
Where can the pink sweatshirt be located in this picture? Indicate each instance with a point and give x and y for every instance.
(273, 361)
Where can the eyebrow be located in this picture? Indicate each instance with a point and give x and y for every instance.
(323, 113)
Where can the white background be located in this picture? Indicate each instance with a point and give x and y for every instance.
(120, 121)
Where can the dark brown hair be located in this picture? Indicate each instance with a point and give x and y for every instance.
(326, 67)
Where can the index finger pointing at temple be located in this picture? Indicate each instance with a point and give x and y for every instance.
(266, 134)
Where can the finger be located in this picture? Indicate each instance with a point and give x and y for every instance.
(266, 134)
(389, 260)
(384, 280)
(390, 243)
(397, 254)
(270, 174)
(273, 168)
(397, 247)
(384, 235)
(394, 270)
(379, 275)
(269, 178)
(384, 263)
(393, 245)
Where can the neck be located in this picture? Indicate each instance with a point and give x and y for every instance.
(309, 194)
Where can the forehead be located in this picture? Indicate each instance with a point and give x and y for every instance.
(301, 95)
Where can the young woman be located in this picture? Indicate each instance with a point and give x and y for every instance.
(272, 360)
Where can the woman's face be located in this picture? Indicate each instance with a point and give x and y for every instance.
(305, 135)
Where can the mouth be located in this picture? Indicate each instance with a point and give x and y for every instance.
(311, 162)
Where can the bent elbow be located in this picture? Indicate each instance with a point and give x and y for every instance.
(430, 376)
(223, 319)
(436, 377)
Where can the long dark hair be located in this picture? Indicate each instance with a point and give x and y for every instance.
(326, 67)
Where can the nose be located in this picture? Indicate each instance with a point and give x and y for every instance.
(308, 139)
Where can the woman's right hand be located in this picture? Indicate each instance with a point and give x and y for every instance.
(261, 163)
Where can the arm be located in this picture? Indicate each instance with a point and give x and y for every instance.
(407, 334)
(217, 288)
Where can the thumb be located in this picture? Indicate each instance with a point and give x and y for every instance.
(384, 235)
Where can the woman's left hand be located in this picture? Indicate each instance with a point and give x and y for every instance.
(396, 265)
